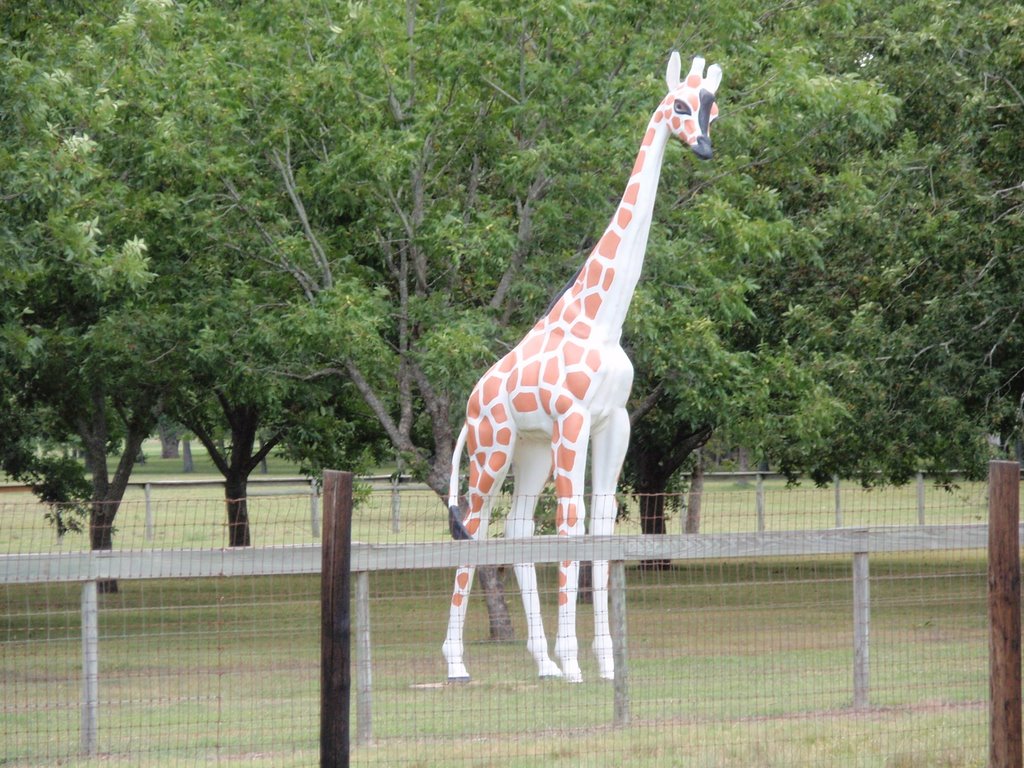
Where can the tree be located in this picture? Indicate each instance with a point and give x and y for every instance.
(917, 245)
(75, 272)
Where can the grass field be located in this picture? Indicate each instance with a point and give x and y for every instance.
(731, 664)
(738, 663)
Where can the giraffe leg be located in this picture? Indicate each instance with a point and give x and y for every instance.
(570, 452)
(609, 451)
(483, 486)
(533, 467)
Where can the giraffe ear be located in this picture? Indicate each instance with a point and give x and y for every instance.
(714, 78)
(672, 72)
(697, 67)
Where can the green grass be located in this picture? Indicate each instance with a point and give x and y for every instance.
(154, 467)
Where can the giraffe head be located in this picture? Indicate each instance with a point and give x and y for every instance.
(690, 105)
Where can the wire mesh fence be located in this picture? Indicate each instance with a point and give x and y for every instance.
(747, 659)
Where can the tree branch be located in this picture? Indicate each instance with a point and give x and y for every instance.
(211, 447)
(647, 404)
(284, 167)
(308, 285)
(265, 449)
(524, 234)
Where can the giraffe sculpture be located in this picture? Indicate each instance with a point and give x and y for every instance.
(562, 390)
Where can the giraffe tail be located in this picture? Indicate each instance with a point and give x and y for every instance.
(458, 530)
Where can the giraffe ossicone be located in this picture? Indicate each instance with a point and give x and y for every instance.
(562, 391)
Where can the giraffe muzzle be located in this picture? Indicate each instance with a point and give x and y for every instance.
(702, 148)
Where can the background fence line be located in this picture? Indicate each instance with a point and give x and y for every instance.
(397, 482)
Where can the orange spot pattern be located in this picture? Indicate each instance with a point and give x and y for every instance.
(572, 427)
(565, 458)
(525, 402)
(497, 461)
(577, 383)
(580, 330)
(485, 433)
(572, 353)
(563, 487)
(545, 400)
(639, 165)
(609, 245)
(551, 371)
(491, 388)
(572, 516)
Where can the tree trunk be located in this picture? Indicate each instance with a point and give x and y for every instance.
(235, 490)
(652, 519)
(694, 499)
(94, 431)
(492, 581)
(236, 463)
(187, 465)
(169, 438)
(653, 459)
(585, 583)
(101, 537)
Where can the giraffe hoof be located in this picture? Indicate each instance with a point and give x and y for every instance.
(573, 676)
(549, 670)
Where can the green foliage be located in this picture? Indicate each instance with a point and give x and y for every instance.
(337, 216)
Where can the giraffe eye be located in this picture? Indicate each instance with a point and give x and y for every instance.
(682, 108)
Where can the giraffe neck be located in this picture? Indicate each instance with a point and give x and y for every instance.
(613, 268)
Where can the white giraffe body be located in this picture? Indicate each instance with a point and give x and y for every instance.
(562, 392)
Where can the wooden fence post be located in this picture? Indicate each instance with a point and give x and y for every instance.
(335, 620)
(620, 654)
(1004, 614)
